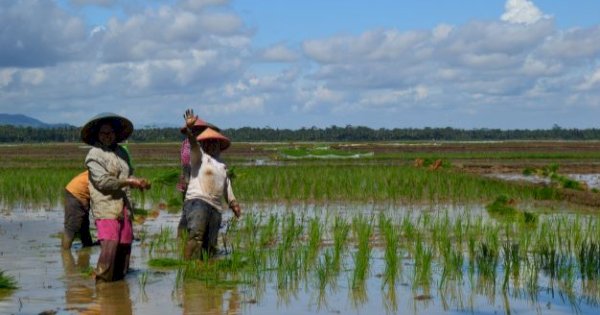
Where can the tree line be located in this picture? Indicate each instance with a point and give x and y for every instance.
(13, 134)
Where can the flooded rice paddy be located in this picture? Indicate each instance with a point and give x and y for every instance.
(591, 180)
(387, 263)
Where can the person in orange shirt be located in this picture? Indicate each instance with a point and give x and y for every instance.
(77, 210)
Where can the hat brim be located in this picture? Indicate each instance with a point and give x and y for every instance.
(223, 143)
(122, 126)
(211, 134)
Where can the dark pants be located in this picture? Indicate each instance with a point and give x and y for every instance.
(203, 223)
(77, 221)
(182, 226)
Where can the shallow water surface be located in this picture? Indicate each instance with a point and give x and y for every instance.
(592, 180)
(53, 280)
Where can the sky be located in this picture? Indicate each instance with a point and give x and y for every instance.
(508, 64)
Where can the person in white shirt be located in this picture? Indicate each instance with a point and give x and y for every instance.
(208, 186)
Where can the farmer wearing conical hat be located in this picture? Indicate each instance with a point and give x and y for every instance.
(184, 177)
(207, 187)
(110, 177)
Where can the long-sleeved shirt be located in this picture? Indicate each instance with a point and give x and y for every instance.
(209, 180)
(109, 169)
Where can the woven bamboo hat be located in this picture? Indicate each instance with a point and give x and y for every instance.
(122, 126)
(211, 134)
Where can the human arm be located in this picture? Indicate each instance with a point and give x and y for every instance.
(235, 207)
(195, 150)
(231, 201)
(184, 176)
(105, 180)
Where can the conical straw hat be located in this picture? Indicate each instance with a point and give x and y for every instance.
(211, 134)
(122, 126)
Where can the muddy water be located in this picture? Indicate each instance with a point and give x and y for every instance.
(592, 180)
(52, 280)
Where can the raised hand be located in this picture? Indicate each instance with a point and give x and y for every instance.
(190, 118)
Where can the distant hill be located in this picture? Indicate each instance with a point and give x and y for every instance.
(20, 120)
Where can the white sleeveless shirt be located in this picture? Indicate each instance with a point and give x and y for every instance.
(209, 182)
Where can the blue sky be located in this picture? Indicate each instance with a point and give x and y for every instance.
(289, 64)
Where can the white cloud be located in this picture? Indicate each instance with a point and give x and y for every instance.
(442, 32)
(101, 3)
(101, 75)
(536, 67)
(33, 76)
(279, 53)
(592, 81)
(394, 45)
(38, 33)
(492, 60)
(222, 23)
(392, 99)
(201, 4)
(368, 46)
(248, 104)
(7, 76)
(574, 45)
(168, 56)
(319, 98)
(25, 77)
(421, 92)
(522, 12)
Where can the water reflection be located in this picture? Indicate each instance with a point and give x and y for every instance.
(113, 298)
(482, 281)
(390, 301)
(79, 291)
(109, 298)
(198, 298)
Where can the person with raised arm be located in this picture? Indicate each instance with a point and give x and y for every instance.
(208, 185)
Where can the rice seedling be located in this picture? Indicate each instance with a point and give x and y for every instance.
(315, 231)
(142, 280)
(162, 243)
(341, 229)
(290, 231)
(390, 300)
(319, 183)
(502, 207)
(511, 263)
(589, 260)
(392, 240)
(423, 258)
(487, 255)
(325, 274)
(362, 229)
(268, 233)
(7, 282)
(452, 264)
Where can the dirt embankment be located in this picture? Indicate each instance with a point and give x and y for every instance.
(586, 198)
